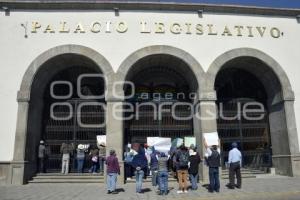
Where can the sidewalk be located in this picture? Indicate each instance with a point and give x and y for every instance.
(267, 188)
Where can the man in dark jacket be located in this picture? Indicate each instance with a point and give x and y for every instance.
(213, 162)
(154, 165)
(194, 167)
(140, 164)
(182, 161)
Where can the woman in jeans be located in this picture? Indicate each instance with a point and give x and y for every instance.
(193, 168)
(94, 153)
(113, 169)
(140, 164)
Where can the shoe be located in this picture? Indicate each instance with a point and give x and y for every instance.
(114, 192)
(210, 191)
(128, 179)
(230, 187)
(185, 191)
(179, 192)
(160, 193)
(108, 192)
(217, 191)
(166, 193)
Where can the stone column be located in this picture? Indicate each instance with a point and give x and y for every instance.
(18, 163)
(293, 137)
(114, 132)
(207, 113)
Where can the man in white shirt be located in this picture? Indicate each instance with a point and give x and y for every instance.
(235, 163)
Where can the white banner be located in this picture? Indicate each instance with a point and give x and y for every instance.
(211, 138)
(188, 141)
(160, 144)
(101, 139)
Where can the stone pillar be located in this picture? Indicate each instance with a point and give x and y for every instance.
(114, 132)
(293, 137)
(207, 113)
(18, 163)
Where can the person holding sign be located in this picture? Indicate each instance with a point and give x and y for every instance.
(213, 159)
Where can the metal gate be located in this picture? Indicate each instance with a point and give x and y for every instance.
(146, 125)
(66, 129)
(252, 136)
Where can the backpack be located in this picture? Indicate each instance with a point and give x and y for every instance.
(214, 159)
(183, 159)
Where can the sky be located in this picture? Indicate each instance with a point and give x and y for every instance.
(265, 3)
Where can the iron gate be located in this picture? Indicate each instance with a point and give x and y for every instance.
(138, 129)
(252, 136)
(58, 131)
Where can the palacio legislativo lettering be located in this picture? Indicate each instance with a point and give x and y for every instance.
(145, 27)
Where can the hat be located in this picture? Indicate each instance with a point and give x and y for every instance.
(102, 144)
(234, 145)
(111, 152)
(42, 142)
(80, 146)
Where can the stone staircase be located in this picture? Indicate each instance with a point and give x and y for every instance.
(69, 178)
(246, 173)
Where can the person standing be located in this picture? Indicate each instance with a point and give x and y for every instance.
(140, 164)
(182, 159)
(154, 166)
(102, 154)
(94, 153)
(41, 157)
(80, 155)
(194, 160)
(235, 163)
(128, 156)
(213, 162)
(163, 174)
(113, 169)
(66, 150)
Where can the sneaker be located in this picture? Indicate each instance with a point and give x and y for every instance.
(128, 179)
(108, 192)
(179, 192)
(114, 192)
(185, 191)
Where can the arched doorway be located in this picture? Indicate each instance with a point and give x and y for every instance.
(161, 81)
(243, 116)
(51, 83)
(249, 69)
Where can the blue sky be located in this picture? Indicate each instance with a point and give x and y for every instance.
(265, 3)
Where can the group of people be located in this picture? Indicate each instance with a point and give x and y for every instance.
(96, 155)
(143, 161)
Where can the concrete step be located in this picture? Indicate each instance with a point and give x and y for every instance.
(68, 178)
(65, 181)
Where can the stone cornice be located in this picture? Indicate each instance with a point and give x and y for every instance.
(165, 6)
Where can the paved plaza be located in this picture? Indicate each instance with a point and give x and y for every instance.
(270, 188)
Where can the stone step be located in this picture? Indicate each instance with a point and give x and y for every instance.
(67, 178)
(66, 181)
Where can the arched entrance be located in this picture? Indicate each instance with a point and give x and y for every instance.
(161, 82)
(245, 75)
(50, 97)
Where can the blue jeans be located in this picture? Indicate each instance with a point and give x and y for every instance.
(94, 167)
(80, 162)
(111, 181)
(154, 177)
(214, 181)
(194, 179)
(163, 181)
(139, 175)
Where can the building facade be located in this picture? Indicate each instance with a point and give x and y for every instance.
(58, 59)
